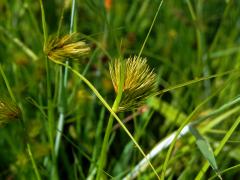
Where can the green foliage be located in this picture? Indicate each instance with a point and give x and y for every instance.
(191, 55)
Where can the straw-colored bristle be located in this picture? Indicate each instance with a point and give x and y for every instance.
(67, 47)
(9, 111)
(139, 82)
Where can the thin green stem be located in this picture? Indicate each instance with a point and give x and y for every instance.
(115, 106)
(196, 81)
(44, 25)
(218, 33)
(200, 48)
(33, 162)
(150, 29)
(50, 118)
(49, 97)
(62, 91)
(72, 16)
(226, 170)
(7, 84)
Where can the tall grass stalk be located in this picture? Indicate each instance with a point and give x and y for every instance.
(49, 97)
(115, 106)
(62, 91)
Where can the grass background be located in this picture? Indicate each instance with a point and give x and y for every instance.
(189, 40)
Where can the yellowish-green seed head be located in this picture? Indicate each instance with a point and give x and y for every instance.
(9, 111)
(139, 81)
(66, 47)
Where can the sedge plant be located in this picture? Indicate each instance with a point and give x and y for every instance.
(133, 82)
(62, 49)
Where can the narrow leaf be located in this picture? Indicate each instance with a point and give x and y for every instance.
(205, 148)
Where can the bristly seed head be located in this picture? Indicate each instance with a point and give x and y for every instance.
(66, 47)
(9, 111)
(139, 82)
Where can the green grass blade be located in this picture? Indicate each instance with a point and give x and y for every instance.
(7, 84)
(190, 117)
(205, 148)
(33, 163)
(150, 29)
(196, 81)
(226, 170)
(219, 148)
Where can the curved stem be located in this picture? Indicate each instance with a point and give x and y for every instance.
(115, 106)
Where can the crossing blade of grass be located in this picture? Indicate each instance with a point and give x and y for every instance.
(141, 166)
(7, 84)
(205, 149)
(226, 170)
(150, 29)
(219, 148)
(196, 81)
(20, 44)
(219, 119)
(224, 53)
(33, 162)
(190, 117)
(167, 141)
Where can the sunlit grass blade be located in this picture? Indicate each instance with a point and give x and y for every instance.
(205, 149)
(189, 118)
(219, 148)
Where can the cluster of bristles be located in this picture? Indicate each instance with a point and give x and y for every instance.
(67, 47)
(9, 111)
(139, 79)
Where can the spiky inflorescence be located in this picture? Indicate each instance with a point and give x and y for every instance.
(139, 81)
(66, 47)
(9, 111)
